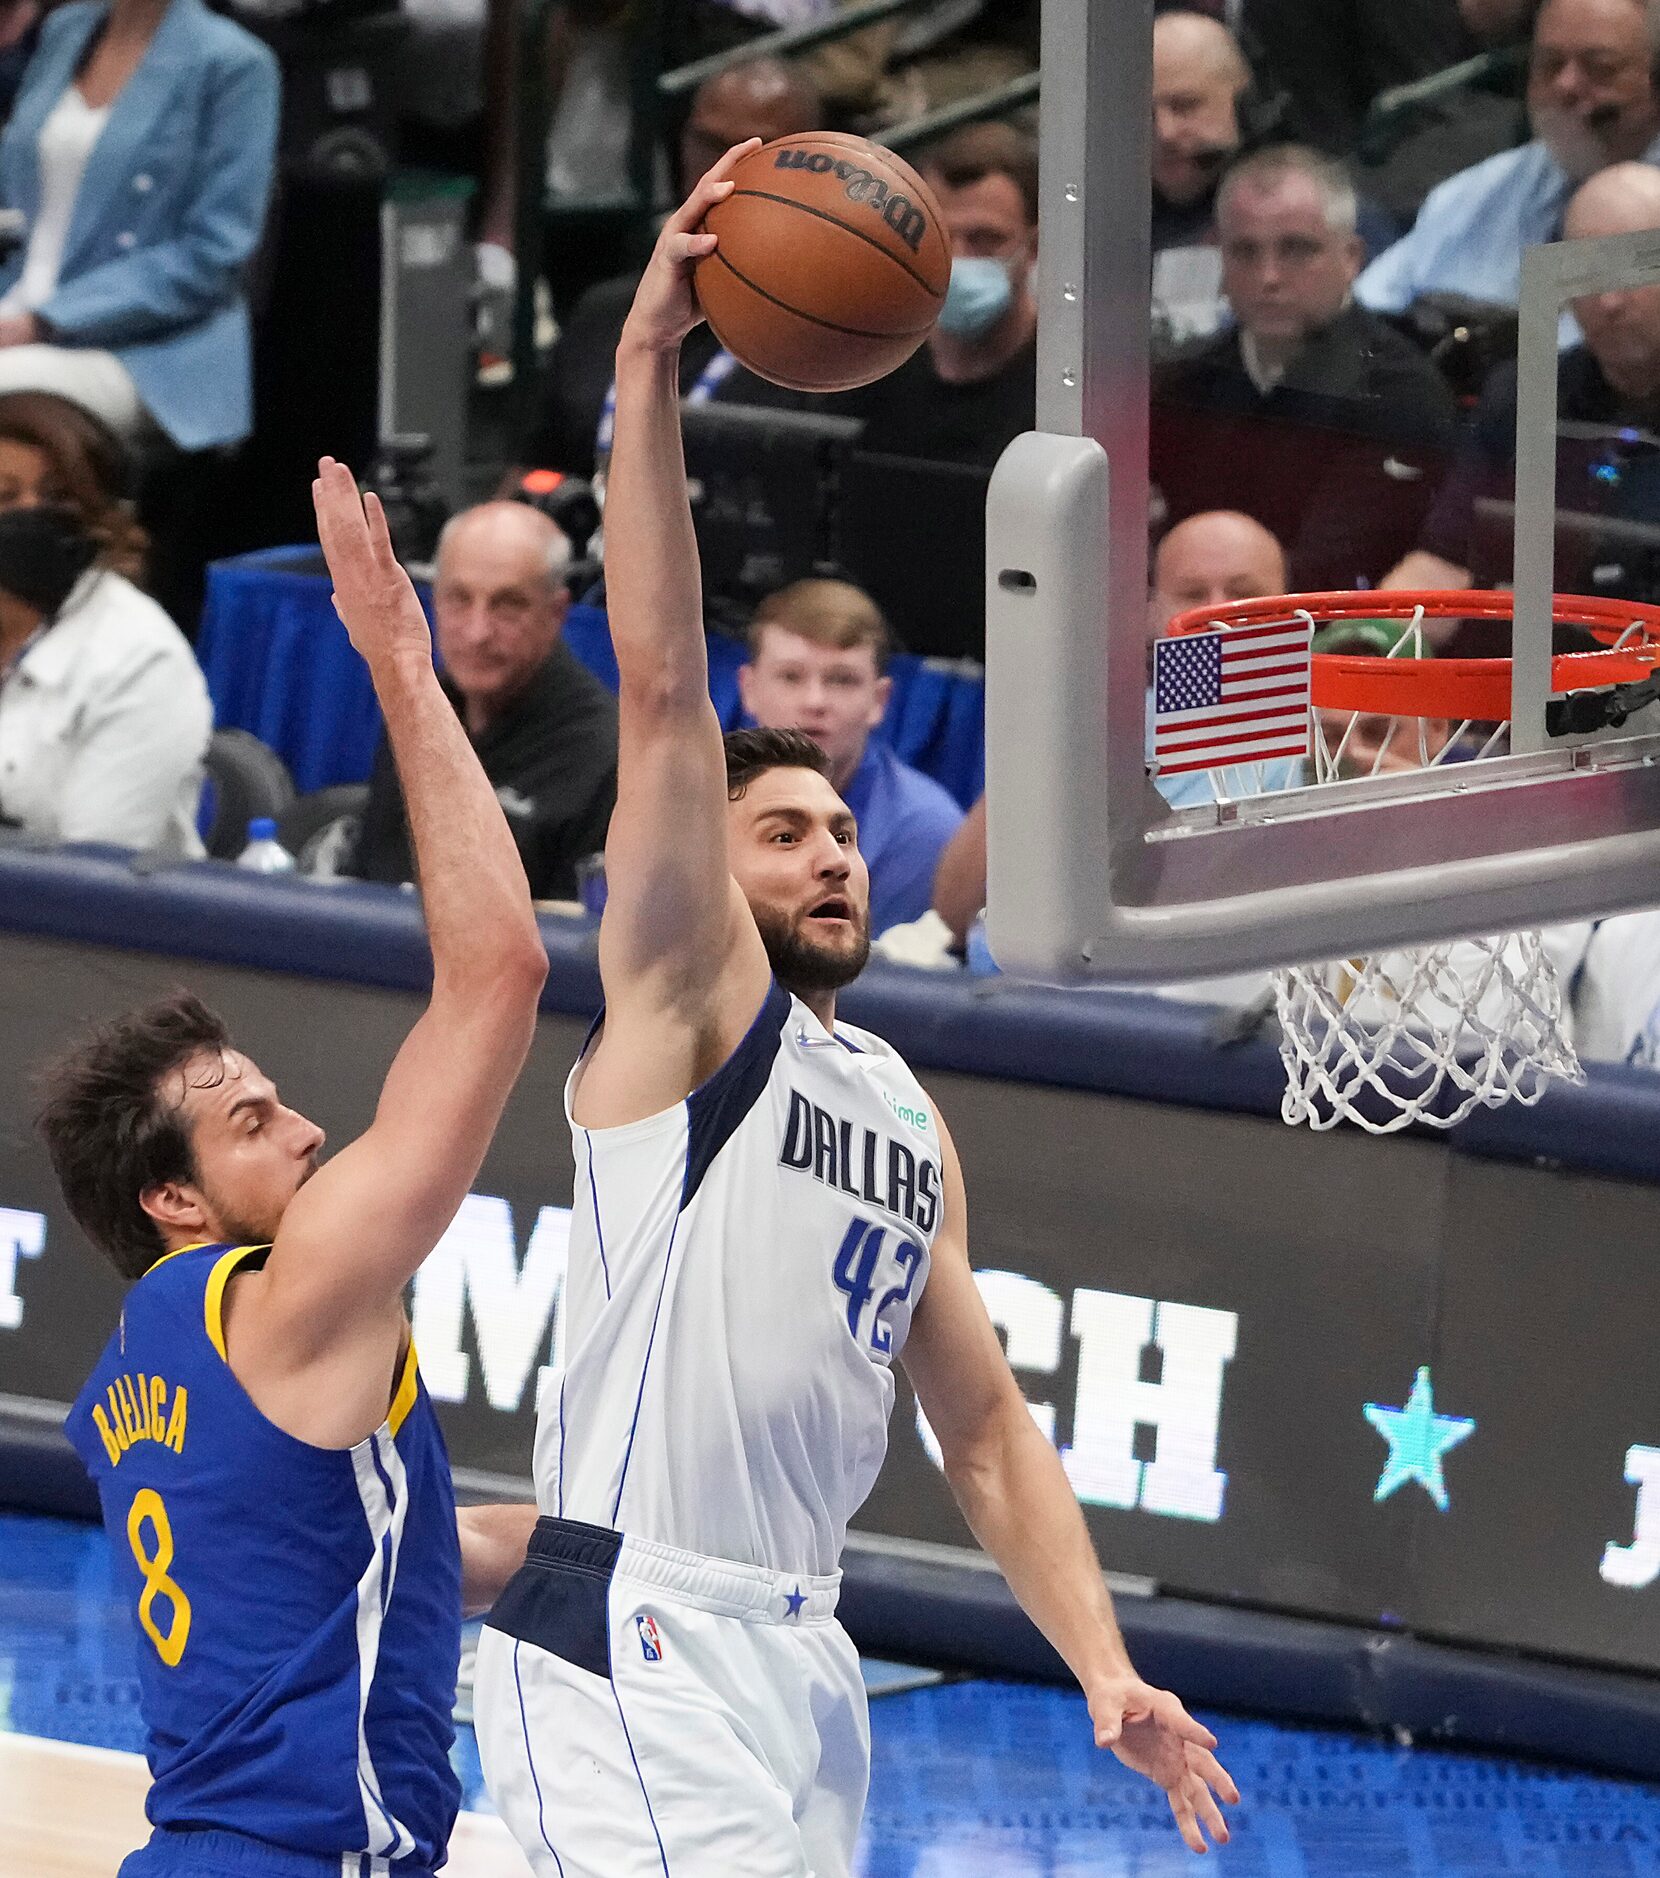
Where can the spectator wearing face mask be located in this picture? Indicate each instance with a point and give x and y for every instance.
(972, 388)
(104, 714)
(1592, 100)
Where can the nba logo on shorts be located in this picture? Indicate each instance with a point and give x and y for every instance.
(651, 1642)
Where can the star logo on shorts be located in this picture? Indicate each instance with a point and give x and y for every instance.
(795, 1600)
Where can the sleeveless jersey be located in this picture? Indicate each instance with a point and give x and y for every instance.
(298, 1609)
(743, 1269)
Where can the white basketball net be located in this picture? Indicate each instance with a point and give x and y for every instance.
(1420, 1034)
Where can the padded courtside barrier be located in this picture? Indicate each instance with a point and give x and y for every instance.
(1116, 1043)
(910, 1606)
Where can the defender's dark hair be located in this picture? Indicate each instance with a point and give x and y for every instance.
(111, 1130)
(750, 753)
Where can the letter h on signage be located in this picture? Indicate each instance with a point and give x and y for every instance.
(1183, 1408)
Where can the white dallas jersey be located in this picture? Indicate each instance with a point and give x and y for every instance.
(743, 1269)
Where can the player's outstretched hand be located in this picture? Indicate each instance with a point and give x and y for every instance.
(1151, 1733)
(665, 304)
(372, 593)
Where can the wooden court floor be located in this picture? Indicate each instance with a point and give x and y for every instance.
(76, 1812)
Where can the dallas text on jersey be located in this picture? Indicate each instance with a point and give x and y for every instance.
(857, 1161)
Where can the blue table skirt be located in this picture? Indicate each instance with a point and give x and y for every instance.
(279, 664)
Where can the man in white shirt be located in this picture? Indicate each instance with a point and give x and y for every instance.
(1592, 100)
(104, 714)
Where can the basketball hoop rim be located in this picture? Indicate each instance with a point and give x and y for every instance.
(1457, 690)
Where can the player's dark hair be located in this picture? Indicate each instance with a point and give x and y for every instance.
(750, 753)
(110, 1129)
(970, 155)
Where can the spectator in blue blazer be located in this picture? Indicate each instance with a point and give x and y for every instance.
(140, 154)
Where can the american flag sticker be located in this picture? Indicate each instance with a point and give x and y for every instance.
(1224, 697)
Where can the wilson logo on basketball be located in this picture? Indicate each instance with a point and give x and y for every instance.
(899, 212)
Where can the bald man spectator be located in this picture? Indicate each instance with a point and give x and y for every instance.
(1310, 414)
(1208, 560)
(760, 98)
(1607, 458)
(1199, 76)
(544, 727)
(1592, 100)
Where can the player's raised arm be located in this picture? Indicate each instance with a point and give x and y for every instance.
(673, 918)
(329, 1307)
(1009, 1482)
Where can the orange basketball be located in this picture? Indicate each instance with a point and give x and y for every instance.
(832, 263)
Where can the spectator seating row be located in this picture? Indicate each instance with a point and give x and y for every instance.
(278, 663)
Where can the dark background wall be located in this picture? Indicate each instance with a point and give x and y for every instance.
(1187, 1294)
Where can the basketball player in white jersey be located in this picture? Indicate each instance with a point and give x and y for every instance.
(768, 1212)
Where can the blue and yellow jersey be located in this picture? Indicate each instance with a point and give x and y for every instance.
(298, 1608)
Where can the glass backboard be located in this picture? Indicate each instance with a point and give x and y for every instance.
(1096, 870)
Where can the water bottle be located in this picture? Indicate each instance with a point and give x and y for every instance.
(264, 853)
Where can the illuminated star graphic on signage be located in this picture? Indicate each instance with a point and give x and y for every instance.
(1417, 1438)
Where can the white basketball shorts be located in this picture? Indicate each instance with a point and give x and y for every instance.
(648, 1713)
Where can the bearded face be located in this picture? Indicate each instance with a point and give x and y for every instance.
(818, 951)
(794, 852)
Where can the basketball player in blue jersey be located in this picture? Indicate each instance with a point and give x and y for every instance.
(273, 1479)
(768, 1212)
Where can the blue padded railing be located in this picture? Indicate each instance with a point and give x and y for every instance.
(1123, 1043)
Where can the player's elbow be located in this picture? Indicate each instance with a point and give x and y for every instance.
(522, 969)
(662, 689)
(981, 1442)
(505, 972)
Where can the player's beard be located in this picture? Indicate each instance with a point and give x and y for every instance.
(800, 963)
(252, 1227)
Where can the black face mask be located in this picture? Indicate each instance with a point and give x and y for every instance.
(43, 552)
